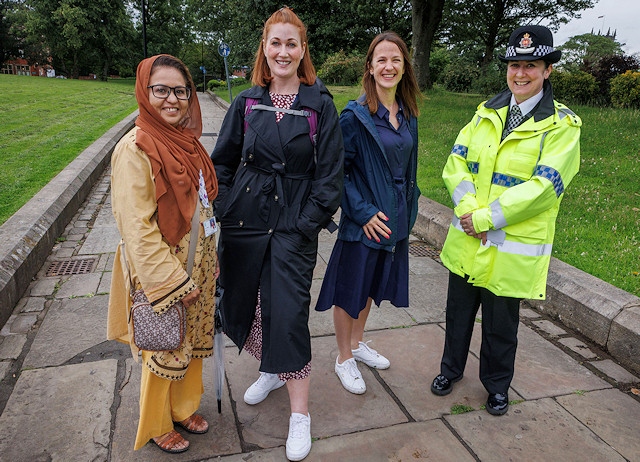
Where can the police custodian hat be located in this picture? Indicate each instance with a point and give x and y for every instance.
(529, 43)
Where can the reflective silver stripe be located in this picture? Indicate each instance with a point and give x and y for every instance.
(517, 248)
(496, 236)
(463, 188)
(528, 250)
(497, 215)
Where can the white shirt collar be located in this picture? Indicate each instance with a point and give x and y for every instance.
(527, 106)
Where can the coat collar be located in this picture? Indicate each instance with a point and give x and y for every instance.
(308, 95)
(544, 109)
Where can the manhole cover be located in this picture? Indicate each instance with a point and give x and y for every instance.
(68, 267)
(422, 249)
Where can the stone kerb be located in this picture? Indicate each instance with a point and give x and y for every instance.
(28, 236)
(606, 315)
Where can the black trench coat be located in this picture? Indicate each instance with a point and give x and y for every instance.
(273, 200)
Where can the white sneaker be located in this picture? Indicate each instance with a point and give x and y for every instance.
(299, 439)
(350, 376)
(261, 388)
(370, 357)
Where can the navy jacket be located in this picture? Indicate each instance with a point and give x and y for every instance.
(368, 179)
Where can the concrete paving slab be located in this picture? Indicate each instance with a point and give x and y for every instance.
(602, 411)
(415, 355)
(616, 372)
(579, 347)
(70, 327)
(79, 285)
(405, 442)
(428, 296)
(535, 431)
(221, 439)
(59, 414)
(543, 370)
(550, 328)
(105, 283)
(103, 239)
(32, 305)
(265, 425)
(44, 287)
(11, 346)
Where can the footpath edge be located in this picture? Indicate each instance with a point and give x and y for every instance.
(29, 235)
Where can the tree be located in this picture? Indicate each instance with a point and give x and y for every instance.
(426, 17)
(80, 36)
(587, 48)
(487, 24)
(9, 44)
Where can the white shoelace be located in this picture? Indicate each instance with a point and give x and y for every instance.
(368, 348)
(299, 426)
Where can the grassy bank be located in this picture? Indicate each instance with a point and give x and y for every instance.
(45, 123)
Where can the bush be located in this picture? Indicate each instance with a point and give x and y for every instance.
(340, 69)
(625, 90)
(438, 61)
(491, 81)
(574, 87)
(458, 76)
(608, 67)
(214, 84)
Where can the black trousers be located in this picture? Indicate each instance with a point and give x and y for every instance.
(500, 318)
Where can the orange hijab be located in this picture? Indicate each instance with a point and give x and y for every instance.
(176, 156)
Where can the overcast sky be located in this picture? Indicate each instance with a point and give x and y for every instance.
(622, 16)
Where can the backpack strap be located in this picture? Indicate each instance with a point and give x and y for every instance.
(252, 104)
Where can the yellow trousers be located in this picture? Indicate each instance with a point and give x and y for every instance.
(163, 401)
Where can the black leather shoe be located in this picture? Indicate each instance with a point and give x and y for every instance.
(442, 386)
(497, 403)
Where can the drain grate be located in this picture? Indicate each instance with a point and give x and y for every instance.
(422, 249)
(69, 267)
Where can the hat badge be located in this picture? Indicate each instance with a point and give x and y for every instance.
(526, 44)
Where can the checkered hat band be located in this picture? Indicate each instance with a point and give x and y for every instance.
(540, 50)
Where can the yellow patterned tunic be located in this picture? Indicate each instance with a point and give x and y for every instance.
(154, 265)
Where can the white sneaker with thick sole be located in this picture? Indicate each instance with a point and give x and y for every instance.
(370, 357)
(299, 439)
(350, 376)
(261, 388)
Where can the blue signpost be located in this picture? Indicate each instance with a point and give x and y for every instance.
(224, 50)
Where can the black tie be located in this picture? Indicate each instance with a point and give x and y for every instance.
(515, 118)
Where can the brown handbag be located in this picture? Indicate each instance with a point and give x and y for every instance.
(166, 331)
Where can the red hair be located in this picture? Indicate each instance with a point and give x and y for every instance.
(261, 73)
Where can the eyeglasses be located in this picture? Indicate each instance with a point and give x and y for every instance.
(163, 91)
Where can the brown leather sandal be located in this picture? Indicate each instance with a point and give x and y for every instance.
(194, 424)
(168, 442)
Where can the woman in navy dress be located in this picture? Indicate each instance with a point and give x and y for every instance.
(370, 260)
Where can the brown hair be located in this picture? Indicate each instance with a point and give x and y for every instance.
(261, 73)
(408, 90)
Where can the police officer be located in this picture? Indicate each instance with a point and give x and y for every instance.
(506, 174)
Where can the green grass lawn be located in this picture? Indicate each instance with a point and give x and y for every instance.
(46, 123)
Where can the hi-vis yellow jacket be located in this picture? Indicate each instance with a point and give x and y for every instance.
(514, 189)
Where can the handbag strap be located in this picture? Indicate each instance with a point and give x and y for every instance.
(193, 240)
(195, 227)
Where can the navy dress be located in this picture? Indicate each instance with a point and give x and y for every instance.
(356, 272)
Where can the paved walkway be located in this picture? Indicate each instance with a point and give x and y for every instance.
(70, 395)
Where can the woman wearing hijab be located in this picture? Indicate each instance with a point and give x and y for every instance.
(159, 172)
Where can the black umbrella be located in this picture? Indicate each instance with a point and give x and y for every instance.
(218, 349)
